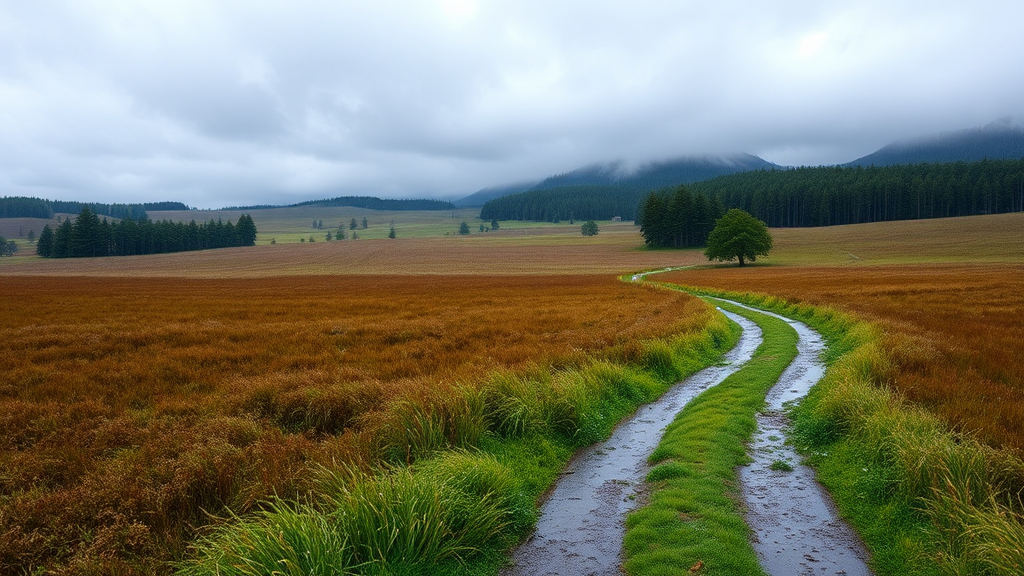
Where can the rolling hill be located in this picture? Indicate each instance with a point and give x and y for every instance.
(999, 140)
(646, 177)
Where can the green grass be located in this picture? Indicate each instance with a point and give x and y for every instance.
(694, 514)
(293, 225)
(466, 473)
(926, 500)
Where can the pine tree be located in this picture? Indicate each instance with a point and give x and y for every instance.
(44, 247)
(246, 231)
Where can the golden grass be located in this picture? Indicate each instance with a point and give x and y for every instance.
(971, 239)
(955, 330)
(132, 407)
(537, 251)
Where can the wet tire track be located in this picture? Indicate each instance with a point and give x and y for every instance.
(797, 530)
(582, 523)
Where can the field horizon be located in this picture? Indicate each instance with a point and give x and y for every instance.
(543, 248)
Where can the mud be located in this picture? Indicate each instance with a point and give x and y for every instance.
(582, 523)
(797, 530)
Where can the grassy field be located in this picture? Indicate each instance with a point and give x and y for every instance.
(140, 393)
(955, 330)
(130, 408)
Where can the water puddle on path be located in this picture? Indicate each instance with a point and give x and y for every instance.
(582, 523)
(797, 530)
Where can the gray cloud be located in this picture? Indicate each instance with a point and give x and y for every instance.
(235, 102)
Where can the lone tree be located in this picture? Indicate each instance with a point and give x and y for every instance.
(464, 228)
(589, 228)
(738, 235)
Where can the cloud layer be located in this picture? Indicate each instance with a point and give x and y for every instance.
(242, 102)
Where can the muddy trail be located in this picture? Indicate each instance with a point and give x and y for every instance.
(582, 522)
(796, 530)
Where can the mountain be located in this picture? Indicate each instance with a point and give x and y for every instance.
(658, 174)
(649, 176)
(481, 197)
(999, 140)
(605, 191)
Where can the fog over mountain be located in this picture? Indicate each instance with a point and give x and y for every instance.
(236, 103)
(999, 140)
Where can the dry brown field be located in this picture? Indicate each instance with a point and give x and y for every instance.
(131, 408)
(542, 251)
(955, 330)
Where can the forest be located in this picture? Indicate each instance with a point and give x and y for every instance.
(583, 202)
(678, 219)
(829, 196)
(90, 236)
(368, 202)
(800, 197)
(25, 207)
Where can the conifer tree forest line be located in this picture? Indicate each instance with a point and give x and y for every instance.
(90, 236)
(799, 197)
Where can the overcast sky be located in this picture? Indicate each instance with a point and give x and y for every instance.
(217, 103)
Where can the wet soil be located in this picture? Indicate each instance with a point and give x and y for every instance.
(797, 530)
(582, 522)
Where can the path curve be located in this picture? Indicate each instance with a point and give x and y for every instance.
(797, 530)
(582, 523)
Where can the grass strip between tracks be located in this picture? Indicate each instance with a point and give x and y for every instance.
(926, 500)
(694, 518)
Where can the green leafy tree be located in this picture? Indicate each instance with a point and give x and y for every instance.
(738, 235)
(589, 228)
(3, 246)
(365, 223)
(463, 228)
(353, 224)
(330, 236)
(31, 236)
(391, 234)
(494, 224)
(44, 247)
(340, 235)
(11, 248)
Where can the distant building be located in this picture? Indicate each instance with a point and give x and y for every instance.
(617, 219)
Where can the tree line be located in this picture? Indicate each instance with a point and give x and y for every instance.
(90, 236)
(678, 218)
(828, 196)
(368, 202)
(582, 202)
(27, 207)
(799, 197)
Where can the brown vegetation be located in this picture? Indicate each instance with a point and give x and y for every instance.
(131, 409)
(955, 330)
(505, 253)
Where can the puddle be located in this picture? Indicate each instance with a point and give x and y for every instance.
(582, 523)
(797, 530)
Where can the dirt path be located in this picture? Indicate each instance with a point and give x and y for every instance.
(796, 528)
(581, 524)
